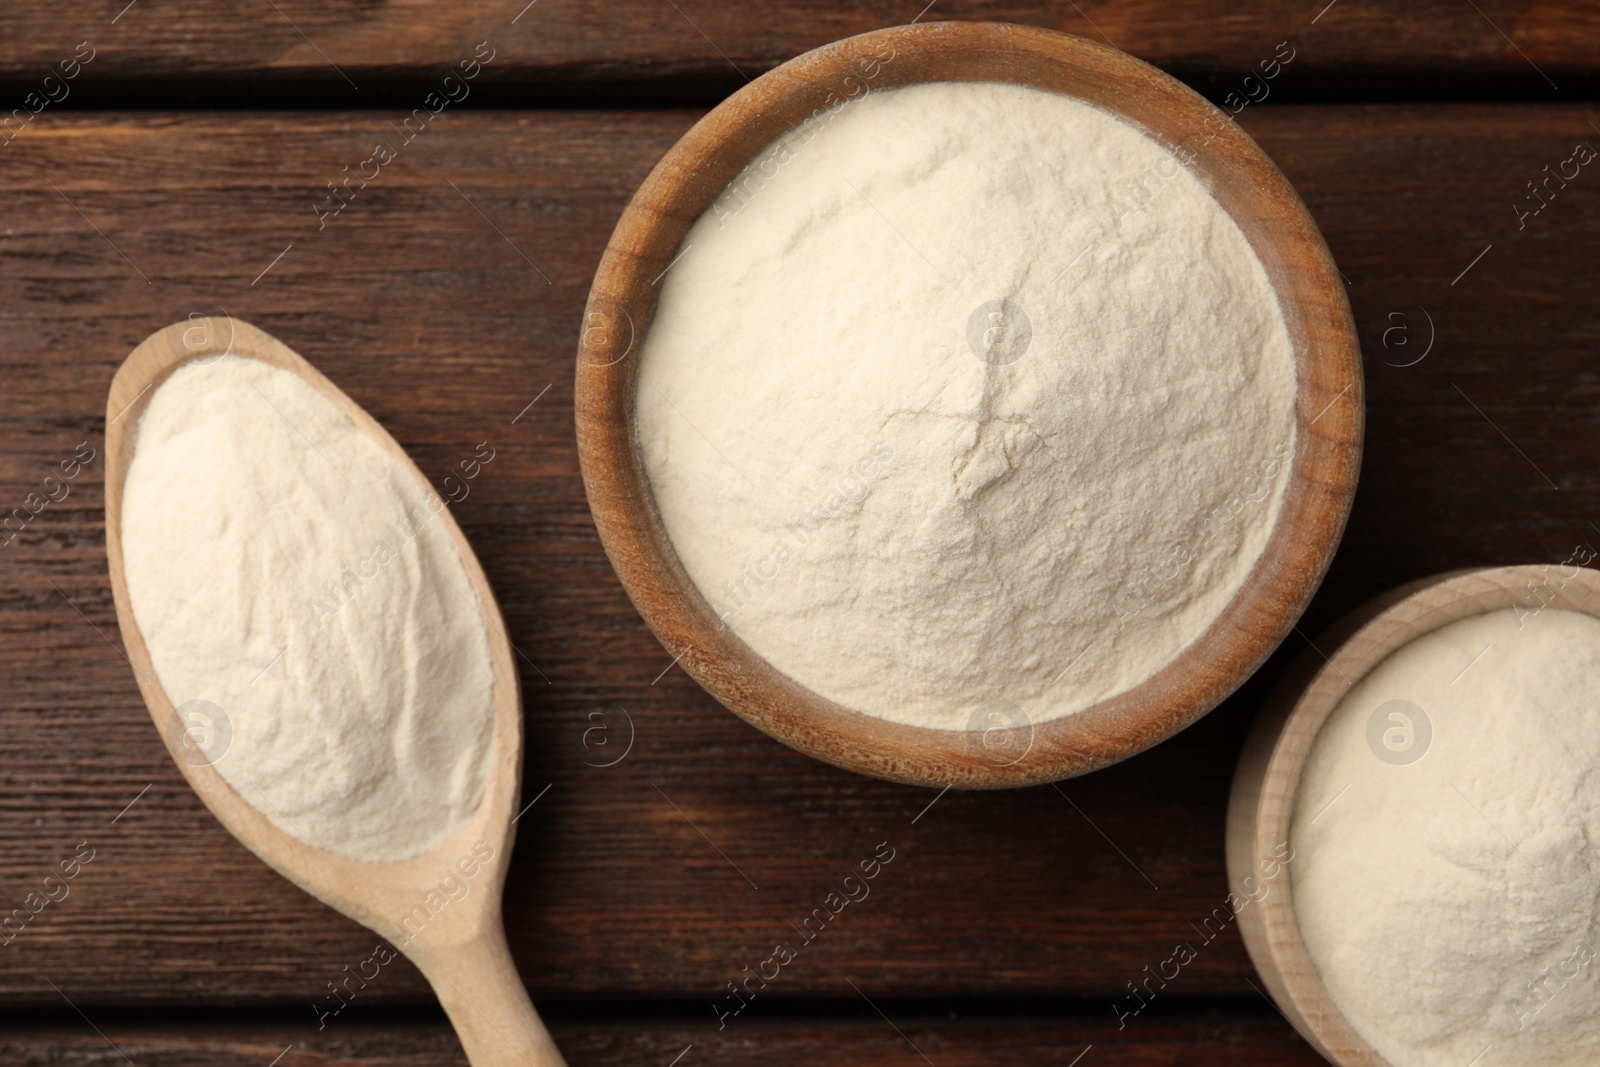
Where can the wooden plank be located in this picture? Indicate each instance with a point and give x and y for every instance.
(700, 49)
(425, 298)
(1242, 1035)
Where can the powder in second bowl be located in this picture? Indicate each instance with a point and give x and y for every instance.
(293, 575)
(1446, 877)
(970, 393)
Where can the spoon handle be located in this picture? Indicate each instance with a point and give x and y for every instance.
(478, 985)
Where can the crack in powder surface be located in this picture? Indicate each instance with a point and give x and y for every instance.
(976, 394)
(284, 567)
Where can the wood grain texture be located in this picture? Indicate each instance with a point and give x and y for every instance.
(1253, 1036)
(1262, 806)
(1317, 490)
(415, 305)
(458, 942)
(351, 46)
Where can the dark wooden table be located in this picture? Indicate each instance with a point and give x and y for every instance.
(182, 172)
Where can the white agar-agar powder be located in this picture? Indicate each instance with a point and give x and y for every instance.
(969, 393)
(1446, 879)
(293, 576)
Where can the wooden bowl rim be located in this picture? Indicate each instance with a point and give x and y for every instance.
(1262, 802)
(378, 895)
(1316, 502)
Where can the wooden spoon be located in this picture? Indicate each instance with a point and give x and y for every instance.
(455, 937)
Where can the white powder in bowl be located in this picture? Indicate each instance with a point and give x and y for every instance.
(970, 393)
(1446, 878)
(291, 574)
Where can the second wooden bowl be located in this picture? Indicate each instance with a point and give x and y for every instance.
(1322, 476)
(1265, 786)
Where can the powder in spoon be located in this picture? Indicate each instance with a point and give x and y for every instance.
(287, 570)
(1446, 878)
(970, 394)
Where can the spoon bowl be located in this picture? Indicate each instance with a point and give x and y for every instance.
(456, 938)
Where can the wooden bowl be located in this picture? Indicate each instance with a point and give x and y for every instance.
(1262, 802)
(1322, 477)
